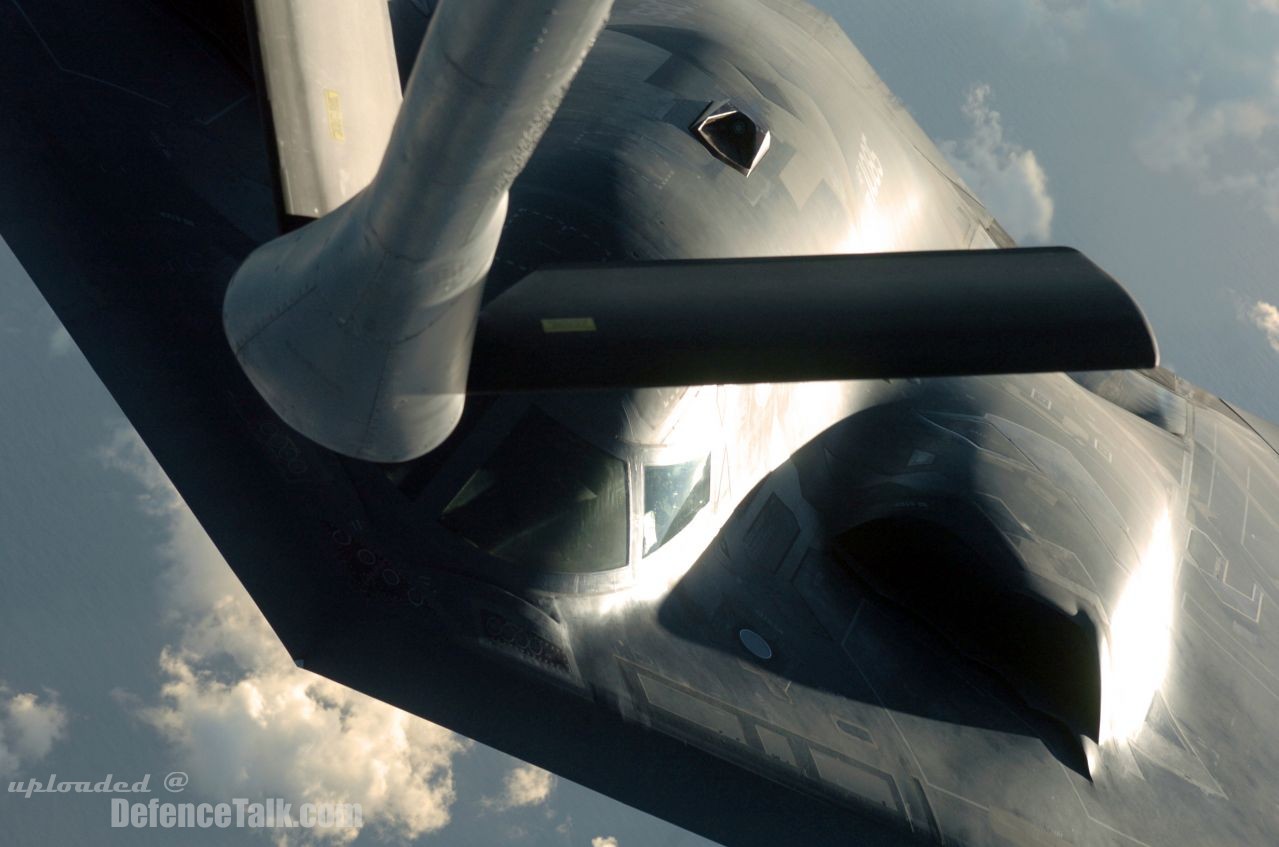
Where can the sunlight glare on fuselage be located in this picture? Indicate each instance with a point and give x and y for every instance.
(1136, 656)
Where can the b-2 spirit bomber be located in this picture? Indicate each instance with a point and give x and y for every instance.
(633, 387)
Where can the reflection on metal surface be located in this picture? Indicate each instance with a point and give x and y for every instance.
(1135, 657)
(700, 711)
(883, 227)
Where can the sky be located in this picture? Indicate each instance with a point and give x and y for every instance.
(1145, 134)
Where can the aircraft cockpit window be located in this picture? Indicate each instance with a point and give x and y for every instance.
(1144, 396)
(673, 495)
(545, 499)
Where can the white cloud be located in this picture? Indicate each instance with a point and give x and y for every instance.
(1225, 146)
(250, 723)
(525, 785)
(1207, 71)
(1266, 318)
(29, 728)
(1188, 135)
(604, 841)
(1070, 13)
(1003, 175)
(1210, 74)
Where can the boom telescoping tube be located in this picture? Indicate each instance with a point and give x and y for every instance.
(357, 328)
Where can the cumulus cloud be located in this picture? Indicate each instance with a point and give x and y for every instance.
(1062, 7)
(526, 785)
(1070, 13)
(604, 841)
(1188, 134)
(1003, 175)
(1207, 71)
(249, 722)
(1224, 146)
(1214, 113)
(29, 727)
(1266, 318)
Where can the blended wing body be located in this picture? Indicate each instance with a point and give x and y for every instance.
(1013, 609)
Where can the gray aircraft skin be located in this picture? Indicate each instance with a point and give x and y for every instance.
(986, 610)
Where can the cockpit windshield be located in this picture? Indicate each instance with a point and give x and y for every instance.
(545, 499)
(673, 495)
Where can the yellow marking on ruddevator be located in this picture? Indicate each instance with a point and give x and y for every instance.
(333, 107)
(568, 325)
